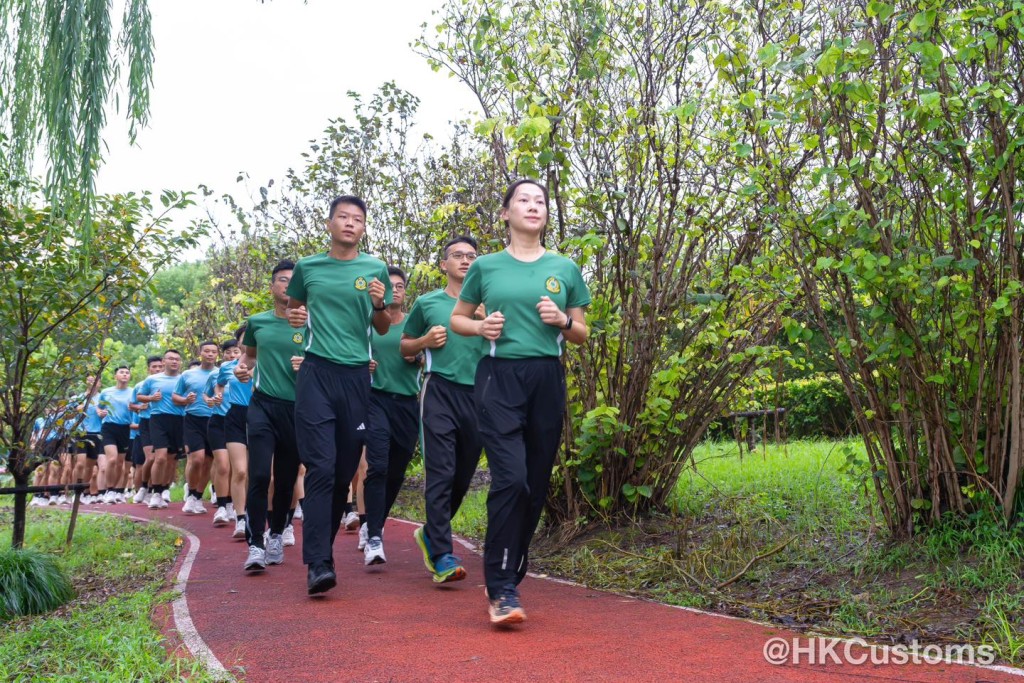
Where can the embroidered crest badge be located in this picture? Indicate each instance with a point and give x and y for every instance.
(360, 283)
(553, 286)
(297, 337)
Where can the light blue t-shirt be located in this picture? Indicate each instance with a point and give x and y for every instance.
(210, 390)
(116, 401)
(144, 413)
(135, 420)
(92, 423)
(165, 384)
(195, 380)
(237, 393)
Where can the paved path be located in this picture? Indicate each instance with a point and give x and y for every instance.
(392, 623)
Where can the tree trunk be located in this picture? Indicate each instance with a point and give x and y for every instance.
(18, 532)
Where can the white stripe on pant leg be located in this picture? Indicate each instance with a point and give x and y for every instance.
(504, 560)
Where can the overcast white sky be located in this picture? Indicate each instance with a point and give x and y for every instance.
(241, 85)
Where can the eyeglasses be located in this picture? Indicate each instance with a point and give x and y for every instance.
(463, 255)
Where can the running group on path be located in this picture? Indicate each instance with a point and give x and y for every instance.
(316, 407)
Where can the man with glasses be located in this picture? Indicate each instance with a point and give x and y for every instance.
(392, 424)
(450, 441)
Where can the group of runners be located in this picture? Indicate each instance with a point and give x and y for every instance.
(318, 404)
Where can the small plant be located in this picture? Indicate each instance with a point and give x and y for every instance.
(31, 582)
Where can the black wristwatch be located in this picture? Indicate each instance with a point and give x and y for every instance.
(568, 322)
(382, 307)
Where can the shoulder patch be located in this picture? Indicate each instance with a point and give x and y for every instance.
(360, 283)
(552, 285)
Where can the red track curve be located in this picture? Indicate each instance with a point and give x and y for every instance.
(392, 623)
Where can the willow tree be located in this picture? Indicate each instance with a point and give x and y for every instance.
(59, 66)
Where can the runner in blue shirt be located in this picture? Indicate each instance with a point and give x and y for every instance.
(115, 413)
(142, 447)
(165, 425)
(236, 395)
(188, 393)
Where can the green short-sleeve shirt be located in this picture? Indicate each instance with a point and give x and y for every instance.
(337, 300)
(275, 342)
(456, 361)
(394, 374)
(503, 283)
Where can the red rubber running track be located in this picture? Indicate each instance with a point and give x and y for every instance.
(392, 623)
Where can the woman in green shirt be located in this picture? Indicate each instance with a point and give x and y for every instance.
(535, 300)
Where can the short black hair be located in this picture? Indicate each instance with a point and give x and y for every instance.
(172, 351)
(122, 367)
(240, 332)
(346, 199)
(395, 270)
(461, 239)
(229, 344)
(194, 364)
(283, 264)
(207, 343)
(154, 359)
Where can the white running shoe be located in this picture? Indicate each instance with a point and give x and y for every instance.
(220, 517)
(166, 495)
(120, 498)
(186, 506)
(154, 501)
(257, 560)
(350, 521)
(288, 535)
(298, 512)
(142, 495)
(373, 553)
(197, 507)
(239, 529)
(231, 511)
(161, 504)
(275, 549)
(108, 497)
(362, 537)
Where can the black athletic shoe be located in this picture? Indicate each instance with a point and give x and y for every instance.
(320, 578)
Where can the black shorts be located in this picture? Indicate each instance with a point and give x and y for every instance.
(144, 437)
(90, 444)
(215, 433)
(52, 450)
(138, 455)
(117, 435)
(234, 425)
(166, 432)
(195, 434)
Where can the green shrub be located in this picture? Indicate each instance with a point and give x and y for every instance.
(31, 582)
(816, 407)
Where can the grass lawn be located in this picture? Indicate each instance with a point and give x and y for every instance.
(118, 568)
(790, 534)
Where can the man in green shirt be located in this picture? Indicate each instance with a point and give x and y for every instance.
(393, 422)
(270, 342)
(337, 297)
(450, 438)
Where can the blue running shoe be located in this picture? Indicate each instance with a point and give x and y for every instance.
(424, 544)
(448, 568)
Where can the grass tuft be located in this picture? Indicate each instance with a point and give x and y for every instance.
(31, 582)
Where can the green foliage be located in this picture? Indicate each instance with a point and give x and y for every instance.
(31, 582)
(59, 299)
(816, 407)
(686, 303)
